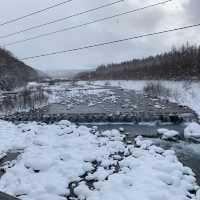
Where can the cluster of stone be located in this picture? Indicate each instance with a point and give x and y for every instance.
(135, 117)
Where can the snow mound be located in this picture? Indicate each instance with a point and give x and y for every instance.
(192, 131)
(60, 158)
(168, 134)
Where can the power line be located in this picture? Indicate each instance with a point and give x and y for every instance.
(87, 23)
(111, 42)
(61, 19)
(34, 13)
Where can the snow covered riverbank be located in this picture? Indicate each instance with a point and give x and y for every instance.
(64, 160)
(182, 92)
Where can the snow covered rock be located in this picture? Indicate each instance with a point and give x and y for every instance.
(168, 134)
(192, 131)
(121, 130)
(100, 166)
(33, 85)
(198, 194)
(64, 122)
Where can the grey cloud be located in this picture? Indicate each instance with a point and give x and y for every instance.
(192, 8)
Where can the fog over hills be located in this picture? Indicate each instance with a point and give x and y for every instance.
(63, 74)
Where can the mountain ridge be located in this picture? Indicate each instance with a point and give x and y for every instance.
(13, 72)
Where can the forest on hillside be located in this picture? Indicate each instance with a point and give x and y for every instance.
(178, 64)
(14, 73)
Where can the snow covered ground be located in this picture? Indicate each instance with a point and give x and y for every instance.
(181, 92)
(64, 160)
(65, 92)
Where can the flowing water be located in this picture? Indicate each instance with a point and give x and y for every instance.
(188, 153)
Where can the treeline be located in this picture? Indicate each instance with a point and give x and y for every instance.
(14, 73)
(178, 64)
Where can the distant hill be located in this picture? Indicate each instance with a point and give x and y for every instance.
(14, 73)
(63, 74)
(178, 64)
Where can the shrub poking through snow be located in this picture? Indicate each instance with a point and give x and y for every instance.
(64, 161)
(156, 89)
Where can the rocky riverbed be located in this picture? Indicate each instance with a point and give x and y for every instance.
(131, 112)
(106, 104)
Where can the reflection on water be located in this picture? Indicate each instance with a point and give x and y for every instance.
(24, 100)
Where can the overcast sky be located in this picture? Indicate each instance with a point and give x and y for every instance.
(171, 15)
